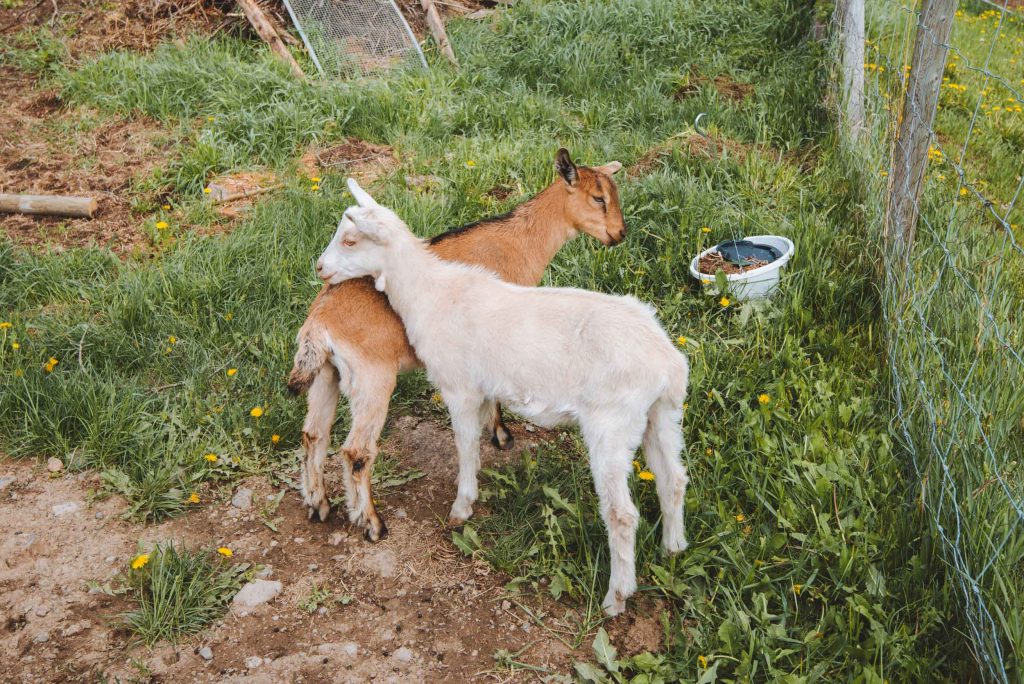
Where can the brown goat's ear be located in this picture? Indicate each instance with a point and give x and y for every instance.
(609, 168)
(566, 169)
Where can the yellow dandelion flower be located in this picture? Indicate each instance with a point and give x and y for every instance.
(5, 325)
(645, 475)
(963, 192)
(686, 405)
(212, 458)
(314, 179)
(256, 412)
(193, 498)
(724, 301)
(172, 339)
(274, 439)
(314, 187)
(883, 174)
(160, 225)
(19, 373)
(709, 451)
(797, 588)
(436, 398)
(228, 316)
(702, 662)
(637, 466)
(470, 163)
(763, 399)
(681, 341)
(15, 346)
(740, 517)
(225, 551)
(231, 372)
(166, 207)
(140, 561)
(705, 229)
(207, 191)
(50, 365)
(211, 119)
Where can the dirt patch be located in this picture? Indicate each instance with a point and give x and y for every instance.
(712, 262)
(365, 161)
(723, 84)
(708, 147)
(419, 609)
(47, 149)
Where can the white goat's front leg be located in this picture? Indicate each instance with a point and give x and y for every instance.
(465, 412)
(322, 402)
(612, 445)
(663, 444)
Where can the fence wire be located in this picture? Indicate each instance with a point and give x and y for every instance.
(953, 301)
(347, 38)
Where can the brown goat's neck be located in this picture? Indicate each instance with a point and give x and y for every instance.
(518, 246)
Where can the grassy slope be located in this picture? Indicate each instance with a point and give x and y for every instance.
(805, 560)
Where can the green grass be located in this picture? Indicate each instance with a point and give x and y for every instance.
(179, 592)
(807, 491)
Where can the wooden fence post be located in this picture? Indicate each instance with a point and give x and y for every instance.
(852, 26)
(910, 156)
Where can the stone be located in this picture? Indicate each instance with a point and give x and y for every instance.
(42, 637)
(206, 653)
(65, 508)
(6, 481)
(401, 513)
(350, 648)
(252, 662)
(256, 593)
(75, 628)
(403, 655)
(54, 465)
(242, 499)
(265, 572)
(336, 538)
(41, 611)
(99, 515)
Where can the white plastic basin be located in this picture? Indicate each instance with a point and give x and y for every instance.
(755, 283)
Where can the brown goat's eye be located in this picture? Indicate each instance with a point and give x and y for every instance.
(599, 200)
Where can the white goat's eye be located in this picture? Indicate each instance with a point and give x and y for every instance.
(348, 243)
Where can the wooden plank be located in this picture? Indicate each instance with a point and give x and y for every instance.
(48, 205)
(436, 25)
(266, 31)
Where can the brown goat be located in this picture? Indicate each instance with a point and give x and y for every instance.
(353, 342)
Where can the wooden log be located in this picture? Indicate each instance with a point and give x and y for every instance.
(48, 205)
(436, 25)
(266, 31)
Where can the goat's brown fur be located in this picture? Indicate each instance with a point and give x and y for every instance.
(353, 339)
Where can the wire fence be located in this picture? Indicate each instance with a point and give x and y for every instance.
(953, 285)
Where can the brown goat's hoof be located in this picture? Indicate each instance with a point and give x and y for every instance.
(370, 536)
(319, 514)
(499, 444)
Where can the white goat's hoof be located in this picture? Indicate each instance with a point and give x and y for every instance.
(459, 514)
(674, 545)
(613, 604)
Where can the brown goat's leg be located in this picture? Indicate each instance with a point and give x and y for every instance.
(500, 436)
(322, 402)
(369, 399)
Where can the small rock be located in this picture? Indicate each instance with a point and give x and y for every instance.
(110, 559)
(350, 648)
(312, 566)
(74, 629)
(41, 611)
(65, 508)
(42, 637)
(206, 653)
(252, 662)
(299, 540)
(6, 481)
(530, 428)
(99, 515)
(265, 572)
(242, 499)
(54, 465)
(256, 593)
(400, 513)
(506, 605)
(336, 538)
(403, 655)
(322, 610)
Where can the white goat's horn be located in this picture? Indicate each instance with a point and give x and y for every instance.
(362, 197)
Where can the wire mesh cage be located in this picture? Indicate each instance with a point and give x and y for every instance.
(348, 38)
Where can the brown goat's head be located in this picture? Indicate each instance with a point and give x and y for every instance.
(592, 202)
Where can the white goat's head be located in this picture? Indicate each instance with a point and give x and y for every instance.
(358, 246)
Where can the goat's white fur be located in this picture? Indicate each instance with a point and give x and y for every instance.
(553, 355)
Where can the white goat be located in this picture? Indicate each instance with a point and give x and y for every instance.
(552, 355)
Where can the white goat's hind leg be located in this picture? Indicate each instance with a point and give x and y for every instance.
(322, 402)
(466, 414)
(663, 445)
(611, 456)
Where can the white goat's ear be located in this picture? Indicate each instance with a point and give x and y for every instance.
(362, 197)
(379, 282)
(369, 228)
(609, 168)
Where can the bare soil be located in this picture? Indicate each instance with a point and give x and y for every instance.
(723, 84)
(414, 590)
